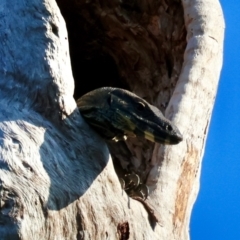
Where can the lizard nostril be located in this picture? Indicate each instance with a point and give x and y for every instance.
(169, 128)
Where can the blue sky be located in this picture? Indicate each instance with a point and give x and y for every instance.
(216, 213)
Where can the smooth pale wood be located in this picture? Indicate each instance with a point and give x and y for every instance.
(191, 107)
(57, 179)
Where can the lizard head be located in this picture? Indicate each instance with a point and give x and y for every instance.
(116, 113)
(138, 117)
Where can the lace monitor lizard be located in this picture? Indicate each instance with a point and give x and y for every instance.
(116, 114)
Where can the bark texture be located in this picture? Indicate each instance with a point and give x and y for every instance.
(57, 180)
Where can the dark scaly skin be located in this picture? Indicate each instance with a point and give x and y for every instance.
(116, 114)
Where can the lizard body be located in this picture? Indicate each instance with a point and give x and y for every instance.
(116, 114)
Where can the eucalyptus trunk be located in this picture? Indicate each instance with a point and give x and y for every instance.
(57, 178)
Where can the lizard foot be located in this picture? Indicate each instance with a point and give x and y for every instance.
(133, 187)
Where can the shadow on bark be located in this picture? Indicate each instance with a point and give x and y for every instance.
(49, 167)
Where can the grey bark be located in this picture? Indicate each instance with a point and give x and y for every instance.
(57, 179)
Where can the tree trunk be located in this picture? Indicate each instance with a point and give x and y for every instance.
(57, 179)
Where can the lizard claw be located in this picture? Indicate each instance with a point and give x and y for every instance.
(122, 182)
(131, 184)
(141, 191)
(132, 180)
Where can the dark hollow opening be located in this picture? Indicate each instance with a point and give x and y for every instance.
(92, 67)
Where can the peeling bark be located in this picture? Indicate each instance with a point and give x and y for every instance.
(57, 180)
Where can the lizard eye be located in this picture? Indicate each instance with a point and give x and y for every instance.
(109, 99)
(140, 106)
(169, 128)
